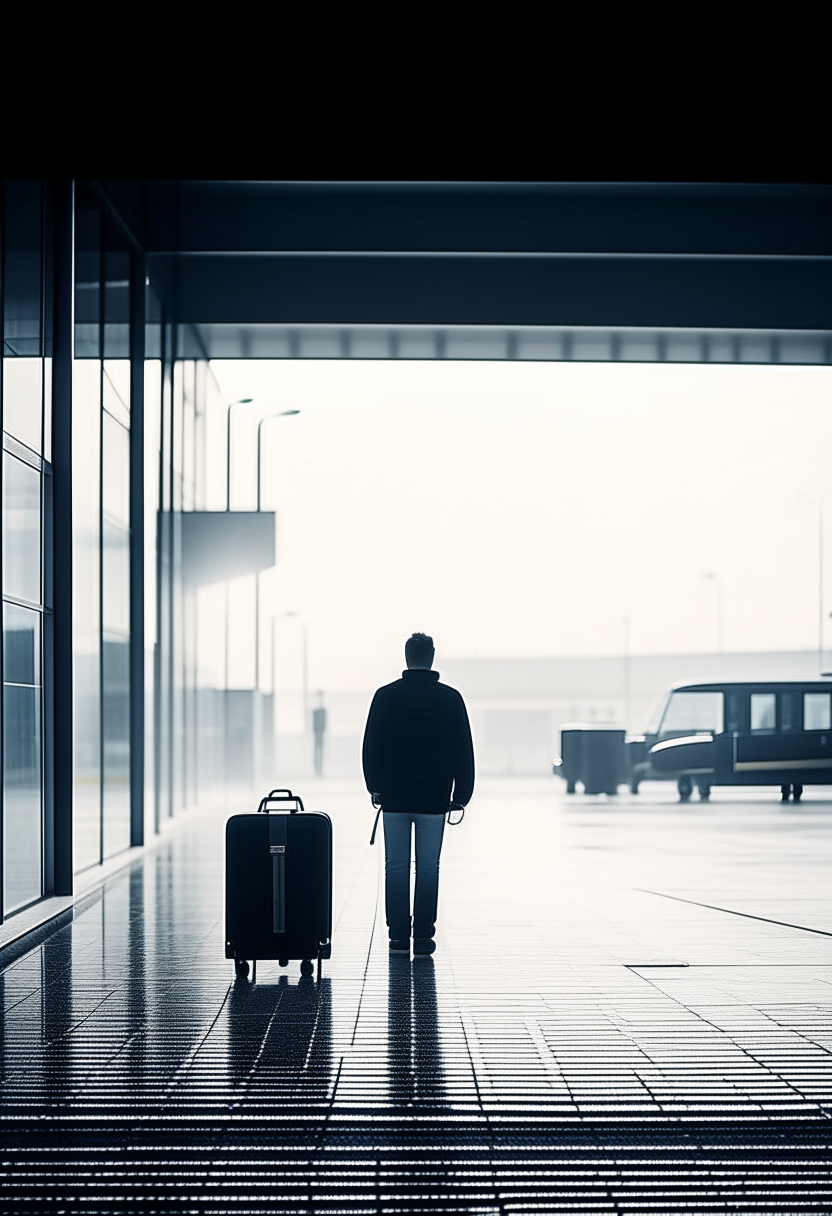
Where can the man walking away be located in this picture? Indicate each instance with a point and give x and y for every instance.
(418, 760)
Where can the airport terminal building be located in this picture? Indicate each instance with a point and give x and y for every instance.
(102, 422)
(116, 297)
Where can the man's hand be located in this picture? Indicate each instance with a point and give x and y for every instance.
(376, 800)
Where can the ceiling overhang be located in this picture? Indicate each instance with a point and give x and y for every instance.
(526, 344)
(698, 271)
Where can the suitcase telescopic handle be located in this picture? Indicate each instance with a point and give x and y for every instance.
(280, 796)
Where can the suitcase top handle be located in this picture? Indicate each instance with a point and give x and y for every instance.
(280, 796)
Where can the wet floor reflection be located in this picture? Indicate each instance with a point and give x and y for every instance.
(33, 1025)
(416, 1072)
(125, 1045)
(279, 1042)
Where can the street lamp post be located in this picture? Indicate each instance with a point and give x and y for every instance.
(241, 401)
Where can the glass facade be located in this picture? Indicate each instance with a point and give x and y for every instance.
(26, 416)
(101, 541)
(22, 755)
(86, 614)
(178, 730)
(186, 713)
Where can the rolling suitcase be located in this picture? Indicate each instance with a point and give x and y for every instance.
(278, 885)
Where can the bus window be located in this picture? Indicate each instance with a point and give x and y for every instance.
(787, 711)
(763, 710)
(816, 711)
(689, 712)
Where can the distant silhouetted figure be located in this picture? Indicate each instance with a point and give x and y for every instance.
(418, 760)
(318, 732)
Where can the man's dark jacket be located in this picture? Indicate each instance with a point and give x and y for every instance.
(418, 752)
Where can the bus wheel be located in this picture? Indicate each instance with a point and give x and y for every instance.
(704, 791)
(685, 787)
(634, 785)
(797, 792)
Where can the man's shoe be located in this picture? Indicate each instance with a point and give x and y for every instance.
(423, 945)
(399, 945)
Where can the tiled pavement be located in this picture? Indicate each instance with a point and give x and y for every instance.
(629, 1011)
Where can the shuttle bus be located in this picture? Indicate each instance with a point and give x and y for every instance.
(738, 734)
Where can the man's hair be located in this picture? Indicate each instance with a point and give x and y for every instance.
(419, 649)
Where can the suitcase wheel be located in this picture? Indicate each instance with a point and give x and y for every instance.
(306, 967)
(240, 968)
(283, 962)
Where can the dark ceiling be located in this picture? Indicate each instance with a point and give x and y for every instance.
(243, 259)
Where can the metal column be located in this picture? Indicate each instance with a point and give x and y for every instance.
(137, 723)
(62, 351)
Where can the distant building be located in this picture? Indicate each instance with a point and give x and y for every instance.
(517, 706)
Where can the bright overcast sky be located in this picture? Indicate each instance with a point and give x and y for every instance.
(530, 508)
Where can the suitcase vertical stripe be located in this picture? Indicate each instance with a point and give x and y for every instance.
(278, 830)
(278, 852)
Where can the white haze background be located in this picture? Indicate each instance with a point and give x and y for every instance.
(526, 510)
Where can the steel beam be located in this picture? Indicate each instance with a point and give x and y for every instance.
(62, 353)
(772, 293)
(137, 675)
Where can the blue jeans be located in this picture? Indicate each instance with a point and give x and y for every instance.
(429, 830)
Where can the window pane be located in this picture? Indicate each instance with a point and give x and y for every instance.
(21, 645)
(763, 711)
(116, 536)
(22, 400)
(47, 410)
(816, 711)
(116, 578)
(693, 711)
(116, 728)
(117, 386)
(86, 446)
(21, 795)
(86, 507)
(86, 809)
(21, 530)
(116, 471)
